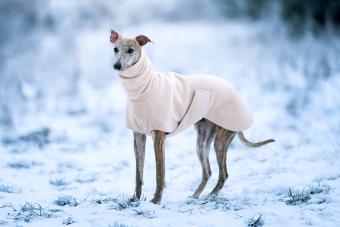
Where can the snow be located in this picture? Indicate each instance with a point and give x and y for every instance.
(70, 159)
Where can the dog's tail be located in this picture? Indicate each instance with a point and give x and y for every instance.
(251, 144)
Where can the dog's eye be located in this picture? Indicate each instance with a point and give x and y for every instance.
(130, 51)
(115, 50)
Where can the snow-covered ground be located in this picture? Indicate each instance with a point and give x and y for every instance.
(71, 161)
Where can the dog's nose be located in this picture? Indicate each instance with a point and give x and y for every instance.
(117, 66)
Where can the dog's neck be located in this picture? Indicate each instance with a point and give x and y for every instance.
(138, 79)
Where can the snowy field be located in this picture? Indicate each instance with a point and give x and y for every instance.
(70, 159)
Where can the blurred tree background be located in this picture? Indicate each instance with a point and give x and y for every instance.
(302, 15)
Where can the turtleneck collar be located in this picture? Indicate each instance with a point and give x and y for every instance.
(137, 80)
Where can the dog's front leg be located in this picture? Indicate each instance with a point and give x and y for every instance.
(139, 147)
(159, 138)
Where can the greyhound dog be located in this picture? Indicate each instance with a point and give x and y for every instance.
(128, 52)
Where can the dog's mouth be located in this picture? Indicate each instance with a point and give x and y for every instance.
(118, 70)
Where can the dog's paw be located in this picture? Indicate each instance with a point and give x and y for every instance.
(192, 197)
(134, 199)
(155, 200)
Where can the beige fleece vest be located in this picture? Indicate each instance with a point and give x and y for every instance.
(170, 102)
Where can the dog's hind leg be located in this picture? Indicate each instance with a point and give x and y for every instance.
(159, 139)
(223, 138)
(205, 134)
(139, 147)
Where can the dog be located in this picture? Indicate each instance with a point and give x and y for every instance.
(164, 104)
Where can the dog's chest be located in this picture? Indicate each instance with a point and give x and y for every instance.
(163, 110)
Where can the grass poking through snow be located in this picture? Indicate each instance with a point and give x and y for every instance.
(9, 189)
(118, 225)
(220, 202)
(30, 211)
(66, 200)
(145, 213)
(302, 196)
(255, 222)
(59, 182)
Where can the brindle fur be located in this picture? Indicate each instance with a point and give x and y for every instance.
(123, 57)
(159, 139)
(207, 131)
(223, 138)
(139, 147)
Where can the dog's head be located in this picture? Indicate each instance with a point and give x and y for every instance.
(126, 50)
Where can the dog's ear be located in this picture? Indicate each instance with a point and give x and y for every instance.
(142, 40)
(114, 36)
